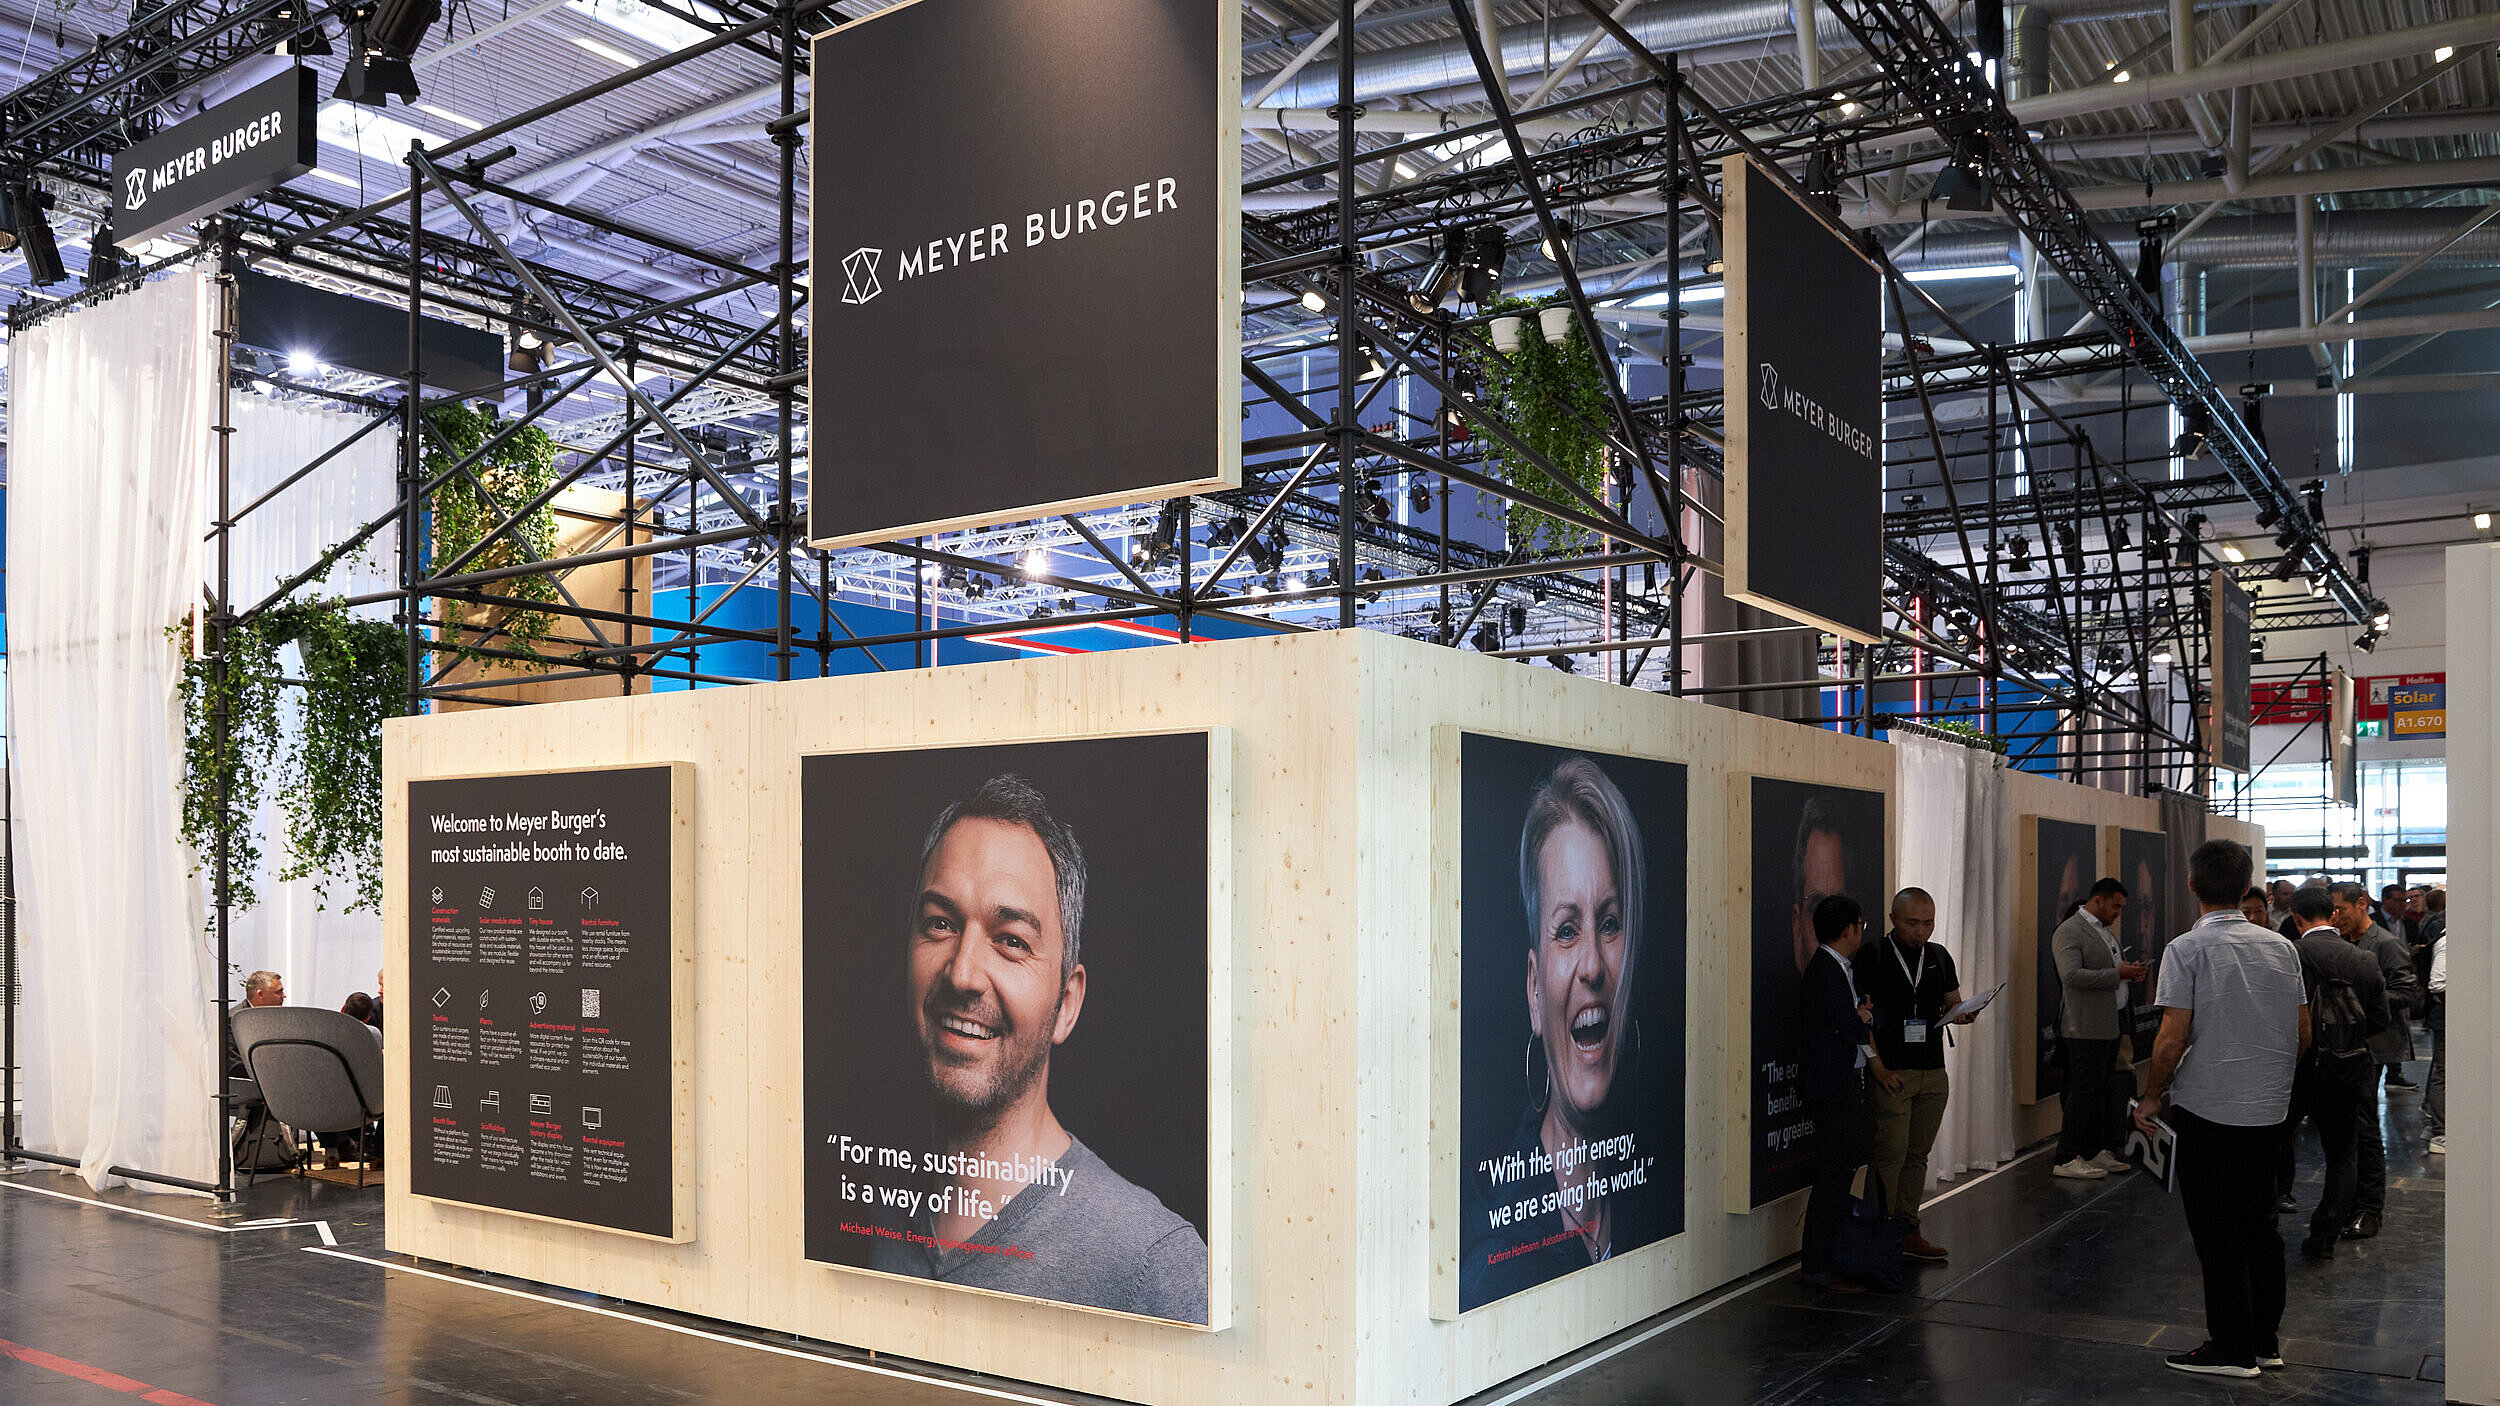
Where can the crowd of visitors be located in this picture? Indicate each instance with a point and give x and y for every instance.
(2281, 1007)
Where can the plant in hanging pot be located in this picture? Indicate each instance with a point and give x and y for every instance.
(1507, 330)
(1553, 398)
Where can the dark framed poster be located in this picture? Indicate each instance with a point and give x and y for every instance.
(1805, 412)
(1028, 242)
(2147, 925)
(2055, 882)
(549, 990)
(1571, 967)
(2227, 717)
(1810, 841)
(1014, 969)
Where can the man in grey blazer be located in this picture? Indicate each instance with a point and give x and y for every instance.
(2095, 981)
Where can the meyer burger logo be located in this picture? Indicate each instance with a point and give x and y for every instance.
(1776, 397)
(862, 276)
(138, 191)
(859, 275)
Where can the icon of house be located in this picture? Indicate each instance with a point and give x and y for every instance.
(538, 900)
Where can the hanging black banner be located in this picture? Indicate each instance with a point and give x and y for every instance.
(240, 147)
(1805, 413)
(2229, 736)
(1026, 237)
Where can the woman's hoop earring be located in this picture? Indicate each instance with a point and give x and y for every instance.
(1537, 1098)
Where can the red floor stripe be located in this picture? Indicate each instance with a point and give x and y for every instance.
(69, 1367)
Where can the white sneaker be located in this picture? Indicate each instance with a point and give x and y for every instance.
(2439, 1145)
(2108, 1163)
(2077, 1168)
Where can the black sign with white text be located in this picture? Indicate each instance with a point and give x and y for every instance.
(2229, 717)
(260, 138)
(1027, 240)
(1805, 413)
(539, 1006)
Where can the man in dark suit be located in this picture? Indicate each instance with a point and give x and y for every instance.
(1837, 1043)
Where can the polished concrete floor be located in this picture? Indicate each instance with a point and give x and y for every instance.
(2058, 1291)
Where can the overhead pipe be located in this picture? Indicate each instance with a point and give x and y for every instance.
(1444, 63)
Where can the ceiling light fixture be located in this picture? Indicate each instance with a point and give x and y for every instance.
(609, 52)
(2231, 552)
(380, 42)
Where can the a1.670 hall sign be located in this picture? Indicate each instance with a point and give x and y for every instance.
(238, 148)
(1026, 226)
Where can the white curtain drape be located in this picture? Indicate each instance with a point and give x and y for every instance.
(109, 410)
(1957, 842)
(323, 952)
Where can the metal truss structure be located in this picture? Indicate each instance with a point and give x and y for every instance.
(1359, 509)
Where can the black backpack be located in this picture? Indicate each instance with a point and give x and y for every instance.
(2337, 1022)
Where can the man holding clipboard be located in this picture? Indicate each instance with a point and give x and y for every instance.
(1916, 992)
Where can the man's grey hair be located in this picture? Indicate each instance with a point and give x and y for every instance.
(2351, 893)
(1013, 800)
(258, 982)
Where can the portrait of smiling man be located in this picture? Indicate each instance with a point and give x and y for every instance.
(994, 983)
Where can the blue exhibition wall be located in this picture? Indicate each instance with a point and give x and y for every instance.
(752, 608)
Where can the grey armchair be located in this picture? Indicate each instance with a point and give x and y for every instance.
(319, 1071)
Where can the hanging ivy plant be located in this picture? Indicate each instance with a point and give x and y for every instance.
(1554, 399)
(355, 675)
(330, 769)
(468, 506)
(243, 764)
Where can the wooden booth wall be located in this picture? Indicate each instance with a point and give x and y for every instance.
(1338, 1027)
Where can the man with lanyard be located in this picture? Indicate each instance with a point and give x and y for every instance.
(1912, 982)
(2234, 1025)
(2094, 977)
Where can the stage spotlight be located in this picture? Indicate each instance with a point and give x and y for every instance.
(2019, 551)
(1486, 639)
(2367, 642)
(1964, 183)
(2149, 235)
(2313, 497)
(1480, 269)
(1447, 267)
(1552, 251)
(2070, 546)
(1515, 619)
(2482, 522)
(1314, 299)
(2286, 567)
(381, 41)
(1370, 367)
(1419, 498)
(31, 232)
(2118, 541)
(2361, 565)
(2270, 514)
(1226, 532)
(301, 363)
(1562, 662)
(1372, 573)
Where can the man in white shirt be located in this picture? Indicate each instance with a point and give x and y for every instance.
(2234, 1026)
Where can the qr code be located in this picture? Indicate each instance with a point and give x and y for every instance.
(590, 1000)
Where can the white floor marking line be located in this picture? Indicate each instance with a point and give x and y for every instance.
(1564, 1373)
(276, 1223)
(871, 1369)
